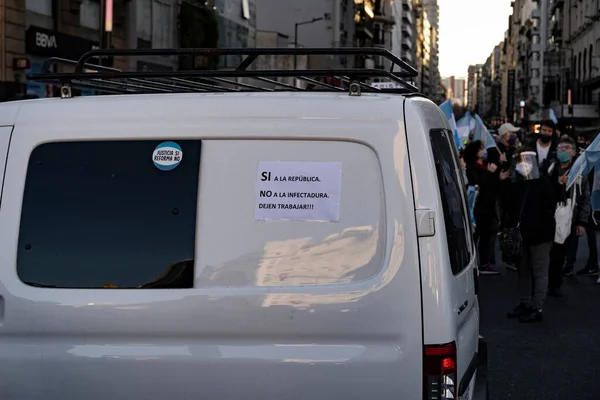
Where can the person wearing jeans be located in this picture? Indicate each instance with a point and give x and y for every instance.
(531, 207)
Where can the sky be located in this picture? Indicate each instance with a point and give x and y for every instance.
(469, 30)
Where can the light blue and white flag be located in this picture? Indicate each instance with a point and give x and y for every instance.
(447, 110)
(482, 133)
(553, 116)
(585, 163)
(465, 125)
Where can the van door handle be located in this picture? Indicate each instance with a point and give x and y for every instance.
(425, 222)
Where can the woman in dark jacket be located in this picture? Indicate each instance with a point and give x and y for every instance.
(487, 179)
(531, 207)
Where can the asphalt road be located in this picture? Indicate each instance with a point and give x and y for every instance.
(557, 358)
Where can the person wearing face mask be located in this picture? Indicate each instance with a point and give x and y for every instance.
(531, 207)
(545, 146)
(502, 156)
(566, 153)
(487, 177)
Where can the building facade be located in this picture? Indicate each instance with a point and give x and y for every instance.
(34, 30)
(423, 52)
(404, 31)
(572, 61)
(319, 23)
(455, 89)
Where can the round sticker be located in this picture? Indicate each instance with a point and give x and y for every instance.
(167, 156)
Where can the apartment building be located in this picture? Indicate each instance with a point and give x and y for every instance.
(423, 53)
(404, 31)
(455, 89)
(572, 59)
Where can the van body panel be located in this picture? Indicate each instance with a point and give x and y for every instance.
(347, 329)
(5, 132)
(9, 112)
(450, 300)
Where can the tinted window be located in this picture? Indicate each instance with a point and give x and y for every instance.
(102, 215)
(451, 189)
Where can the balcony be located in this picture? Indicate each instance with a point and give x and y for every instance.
(408, 18)
(407, 43)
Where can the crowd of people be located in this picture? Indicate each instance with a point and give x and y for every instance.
(526, 202)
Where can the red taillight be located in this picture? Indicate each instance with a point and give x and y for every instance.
(439, 368)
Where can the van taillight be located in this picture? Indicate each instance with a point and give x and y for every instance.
(439, 378)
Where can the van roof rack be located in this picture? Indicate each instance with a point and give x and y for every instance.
(106, 80)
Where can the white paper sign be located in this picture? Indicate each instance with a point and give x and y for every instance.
(298, 191)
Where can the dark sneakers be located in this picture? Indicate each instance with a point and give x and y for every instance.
(557, 292)
(518, 311)
(526, 313)
(532, 316)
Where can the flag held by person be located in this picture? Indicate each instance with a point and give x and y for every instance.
(482, 133)
(446, 108)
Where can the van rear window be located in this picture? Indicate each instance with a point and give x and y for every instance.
(111, 214)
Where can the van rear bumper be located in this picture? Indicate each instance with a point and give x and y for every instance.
(481, 391)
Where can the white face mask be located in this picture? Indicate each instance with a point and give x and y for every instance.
(524, 168)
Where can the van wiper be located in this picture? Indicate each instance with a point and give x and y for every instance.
(40, 285)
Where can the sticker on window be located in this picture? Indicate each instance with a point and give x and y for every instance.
(167, 156)
(298, 191)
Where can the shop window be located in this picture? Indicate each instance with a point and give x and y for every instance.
(43, 7)
(89, 14)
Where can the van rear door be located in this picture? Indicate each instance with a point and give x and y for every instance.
(144, 254)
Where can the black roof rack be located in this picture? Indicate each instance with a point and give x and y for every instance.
(114, 81)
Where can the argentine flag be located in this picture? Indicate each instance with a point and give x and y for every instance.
(465, 125)
(447, 110)
(482, 133)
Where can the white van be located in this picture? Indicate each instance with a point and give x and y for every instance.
(235, 244)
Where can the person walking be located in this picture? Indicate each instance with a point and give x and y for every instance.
(531, 209)
(566, 152)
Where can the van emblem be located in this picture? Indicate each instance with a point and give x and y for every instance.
(167, 156)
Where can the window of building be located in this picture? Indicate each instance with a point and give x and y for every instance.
(591, 61)
(535, 39)
(162, 25)
(144, 23)
(43, 7)
(101, 215)
(89, 14)
(584, 63)
(453, 199)
(245, 9)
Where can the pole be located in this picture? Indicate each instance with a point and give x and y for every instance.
(295, 45)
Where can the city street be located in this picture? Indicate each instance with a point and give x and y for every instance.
(554, 359)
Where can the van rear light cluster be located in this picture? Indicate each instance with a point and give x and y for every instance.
(439, 378)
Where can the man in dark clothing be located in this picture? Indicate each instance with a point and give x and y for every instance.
(532, 207)
(502, 156)
(578, 193)
(486, 209)
(545, 146)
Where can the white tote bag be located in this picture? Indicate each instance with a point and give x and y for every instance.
(564, 216)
